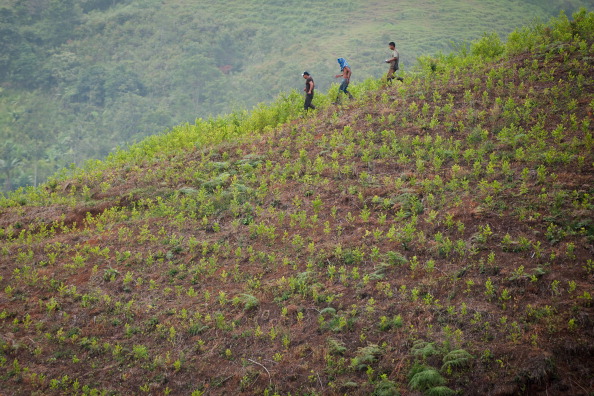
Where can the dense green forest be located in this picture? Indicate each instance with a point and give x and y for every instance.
(79, 78)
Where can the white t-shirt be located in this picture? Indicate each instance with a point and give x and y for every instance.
(394, 63)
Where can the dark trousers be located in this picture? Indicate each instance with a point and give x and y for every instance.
(344, 85)
(307, 105)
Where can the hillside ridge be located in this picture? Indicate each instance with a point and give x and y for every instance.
(429, 237)
(79, 78)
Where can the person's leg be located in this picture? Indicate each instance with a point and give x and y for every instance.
(307, 102)
(390, 75)
(341, 88)
(346, 86)
(308, 99)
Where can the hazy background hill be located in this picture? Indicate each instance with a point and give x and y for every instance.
(81, 77)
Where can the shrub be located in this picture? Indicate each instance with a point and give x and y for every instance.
(395, 258)
(387, 324)
(337, 347)
(456, 359)
(140, 352)
(488, 47)
(385, 387)
(424, 349)
(423, 378)
(249, 301)
(439, 391)
(197, 328)
(365, 356)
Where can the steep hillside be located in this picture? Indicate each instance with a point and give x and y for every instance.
(430, 237)
(79, 78)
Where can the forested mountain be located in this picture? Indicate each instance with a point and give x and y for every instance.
(81, 77)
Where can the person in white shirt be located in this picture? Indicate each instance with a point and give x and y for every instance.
(393, 61)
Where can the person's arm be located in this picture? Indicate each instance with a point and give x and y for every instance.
(393, 59)
(311, 86)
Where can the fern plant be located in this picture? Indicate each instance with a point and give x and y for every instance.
(249, 301)
(439, 391)
(424, 349)
(365, 356)
(385, 387)
(456, 359)
(423, 378)
(337, 347)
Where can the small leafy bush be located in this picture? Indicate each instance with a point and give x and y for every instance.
(385, 387)
(365, 356)
(337, 347)
(424, 349)
(456, 359)
(440, 391)
(489, 46)
(197, 328)
(423, 378)
(249, 301)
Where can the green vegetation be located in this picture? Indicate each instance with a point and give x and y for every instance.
(79, 78)
(432, 236)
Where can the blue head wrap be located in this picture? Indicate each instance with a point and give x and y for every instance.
(343, 63)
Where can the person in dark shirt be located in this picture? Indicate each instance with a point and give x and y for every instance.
(309, 91)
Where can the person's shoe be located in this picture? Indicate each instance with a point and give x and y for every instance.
(400, 79)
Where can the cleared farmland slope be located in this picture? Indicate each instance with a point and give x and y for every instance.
(431, 237)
